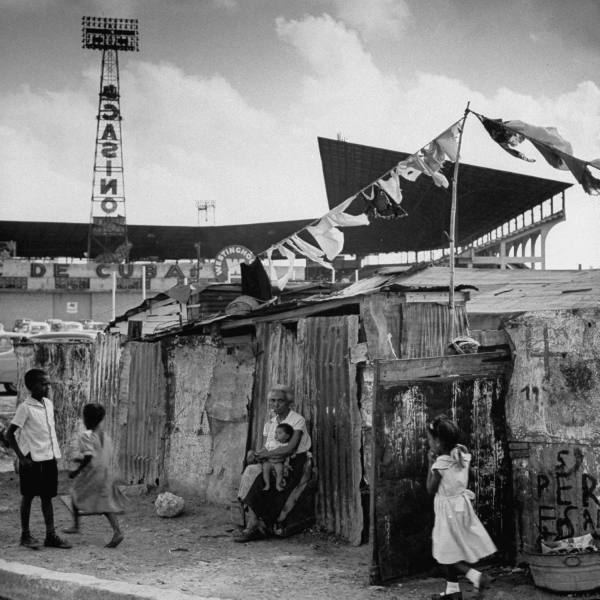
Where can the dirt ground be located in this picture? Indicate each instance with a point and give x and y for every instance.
(195, 553)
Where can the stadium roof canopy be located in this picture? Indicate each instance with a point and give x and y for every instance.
(486, 199)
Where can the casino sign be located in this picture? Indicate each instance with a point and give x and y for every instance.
(228, 261)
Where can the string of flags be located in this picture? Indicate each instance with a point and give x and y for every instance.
(557, 151)
(381, 199)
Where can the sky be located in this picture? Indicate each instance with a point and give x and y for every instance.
(226, 98)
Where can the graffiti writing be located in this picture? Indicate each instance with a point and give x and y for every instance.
(568, 498)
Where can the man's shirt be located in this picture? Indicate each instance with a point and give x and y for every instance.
(36, 434)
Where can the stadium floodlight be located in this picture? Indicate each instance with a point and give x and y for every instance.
(104, 33)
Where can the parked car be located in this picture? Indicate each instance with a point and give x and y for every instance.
(64, 336)
(55, 324)
(8, 360)
(94, 325)
(68, 326)
(29, 326)
(21, 325)
(38, 327)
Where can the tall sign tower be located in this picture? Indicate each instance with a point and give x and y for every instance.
(107, 238)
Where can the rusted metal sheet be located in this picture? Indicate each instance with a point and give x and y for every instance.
(327, 397)
(275, 364)
(382, 315)
(402, 511)
(556, 491)
(426, 328)
(104, 388)
(69, 366)
(315, 361)
(142, 444)
(472, 365)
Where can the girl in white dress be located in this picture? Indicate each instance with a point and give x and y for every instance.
(459, 538)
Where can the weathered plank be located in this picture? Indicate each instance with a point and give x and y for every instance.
(482, 364)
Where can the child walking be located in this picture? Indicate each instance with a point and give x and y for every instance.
(459, 538)
(37, 450)
(94, 492)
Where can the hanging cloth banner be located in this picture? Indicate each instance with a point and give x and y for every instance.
(382, 198)
(557, 151)
(272, 275)
(329, 238)
(426, 162)
(339, 217)
(291, 258)
(506, 139)
(447, 142)
(391, 187)
(308, 250)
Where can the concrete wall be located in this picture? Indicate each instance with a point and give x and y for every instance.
(51, 304)
(209, 391)
(190, 365)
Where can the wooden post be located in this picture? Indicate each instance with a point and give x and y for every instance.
(452, 234)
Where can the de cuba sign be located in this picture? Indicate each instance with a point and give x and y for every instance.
(228, 261)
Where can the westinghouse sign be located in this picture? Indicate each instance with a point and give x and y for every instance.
(228, 261)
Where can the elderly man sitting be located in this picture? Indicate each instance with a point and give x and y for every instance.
(264, 506)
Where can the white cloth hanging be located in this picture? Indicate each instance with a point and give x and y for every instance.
(391, 187)
(329, 238)
(291, 257)
(448, 141)
(315, 254)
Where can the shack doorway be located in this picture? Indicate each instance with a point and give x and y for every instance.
(408, 394)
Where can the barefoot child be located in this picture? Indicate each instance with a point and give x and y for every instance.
(283, 434)
(459, 538)
(37, 450)
(94, 491)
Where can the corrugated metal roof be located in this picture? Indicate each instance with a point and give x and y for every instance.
(493, 291)
(519, 290)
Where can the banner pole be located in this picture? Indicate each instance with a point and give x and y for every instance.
(452, 234)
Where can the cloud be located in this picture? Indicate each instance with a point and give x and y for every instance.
(189, 138)
(345, 91)
(228, 5)
(375, 18)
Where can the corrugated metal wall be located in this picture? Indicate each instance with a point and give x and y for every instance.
(104, 387)
(326, 386)
(426, 329)
(70, 366)
(142, 444)
(275, 364)
(314, 361)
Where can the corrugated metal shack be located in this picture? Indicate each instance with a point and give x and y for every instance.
(370, 365)
(552, 402)
(323, 346)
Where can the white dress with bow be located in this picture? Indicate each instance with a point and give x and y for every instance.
(458, 534)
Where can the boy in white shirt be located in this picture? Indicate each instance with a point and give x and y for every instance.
(37, 450)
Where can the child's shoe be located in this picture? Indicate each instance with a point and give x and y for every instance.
(53, 541)
(29, 541)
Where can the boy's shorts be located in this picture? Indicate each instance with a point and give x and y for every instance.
(40, 479)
